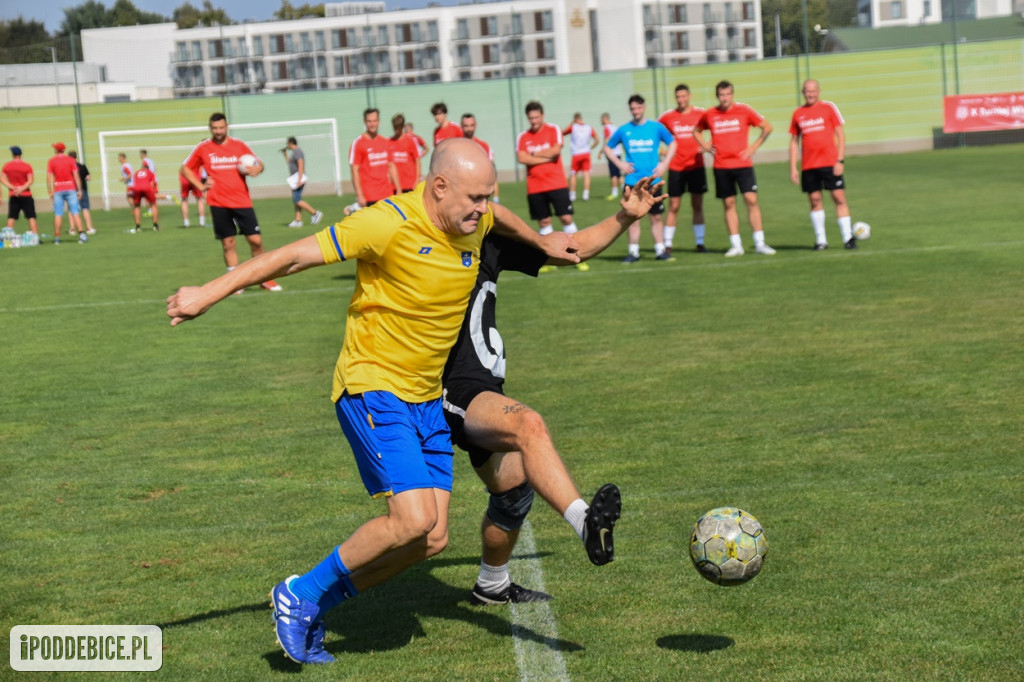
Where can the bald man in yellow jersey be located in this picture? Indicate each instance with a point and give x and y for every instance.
(417, 257)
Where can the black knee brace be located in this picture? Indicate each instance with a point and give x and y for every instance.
(509, 509)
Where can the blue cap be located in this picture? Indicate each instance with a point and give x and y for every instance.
(16, 150)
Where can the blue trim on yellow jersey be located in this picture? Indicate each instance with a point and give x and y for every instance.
(337, 246)
(392, 205)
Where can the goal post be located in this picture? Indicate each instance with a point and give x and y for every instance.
(169, 147)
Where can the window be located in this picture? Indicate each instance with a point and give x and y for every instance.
(748, 12)
(408, 61)
(680, 41)
(257, 45)
(927, 8)
(465, 75)
(307, 44)
(749, 37)
(489, 54)
(464, 55)
(546, 49)
(216, 75)
(432, 31)
(891, 10)
(488, 26)
(678, 14)
(339, 39)
(197, 50)
(542, 21)
(649, 17)
(462, 30)
(342, 66)
(517, 23)
(319, 40)
(281, 71)
(403, 33)
(382, 35)
(216, 49)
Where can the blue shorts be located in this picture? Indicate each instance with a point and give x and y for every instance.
(297, 194)
(68, 195)
(398, 446)
(83, 203)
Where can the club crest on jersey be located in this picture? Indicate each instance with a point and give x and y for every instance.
(467, 258)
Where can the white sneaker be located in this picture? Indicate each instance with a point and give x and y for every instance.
(734, 251)
(316, 218)
(765, 250)
(295, 223)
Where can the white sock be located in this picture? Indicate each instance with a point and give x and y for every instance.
(634, 250)
(586, 194)
(759, 238)
(576, 515)
(186, 222)
(698, 233)
(493, 578)
(615, 191)
(572, 196)
(818, 223)
(570, 228)
(845, 229)
(546, 230)
(202, 222)
(659, 249)
(670, 233)
(735, 240)
(231, 268)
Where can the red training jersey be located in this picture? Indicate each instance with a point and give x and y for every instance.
(229, 189)
(543, 177)
(404, 152)
(371, 156)
(63, 168)
(681, 124)
(730, 133)
(17, 172)
(816, 127)
(144, 180)
(449, 129)
(421, 144)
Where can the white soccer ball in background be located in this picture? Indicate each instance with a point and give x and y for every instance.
(861, 231)
(246, 161)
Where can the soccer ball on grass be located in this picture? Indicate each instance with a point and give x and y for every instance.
(861, 231)
(728, 546)
(246, 161)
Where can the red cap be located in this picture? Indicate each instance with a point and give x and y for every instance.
(59, 146)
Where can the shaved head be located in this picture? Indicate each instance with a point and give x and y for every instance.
(459, 185)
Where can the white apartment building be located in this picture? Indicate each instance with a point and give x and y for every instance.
(435, 44)
(883, 13)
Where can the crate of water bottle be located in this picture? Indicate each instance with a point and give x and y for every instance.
(30, 239)
(7, 236)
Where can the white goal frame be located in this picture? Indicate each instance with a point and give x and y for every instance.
(105, 166)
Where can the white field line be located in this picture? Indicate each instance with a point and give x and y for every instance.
(537, 657)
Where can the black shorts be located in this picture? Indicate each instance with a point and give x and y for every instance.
(227, 222)
(815, 179)
(541, 203)
(659, 207)
(613, 170)
(19, 205)
(455, 401)
(727, 179)
(694, 181)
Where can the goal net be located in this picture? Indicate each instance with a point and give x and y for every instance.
(167, 148)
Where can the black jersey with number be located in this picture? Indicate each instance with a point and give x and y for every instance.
(478, 355)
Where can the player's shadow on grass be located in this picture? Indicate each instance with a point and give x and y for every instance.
(701, 644)
(388, 616)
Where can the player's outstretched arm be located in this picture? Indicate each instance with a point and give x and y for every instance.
(556, 245)
(188, 303)
(635, 204)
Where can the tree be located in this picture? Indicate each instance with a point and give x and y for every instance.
(824, 13)
(288, 12)
(125, 13)
(188, 16)
(24, 42)
(90, 14)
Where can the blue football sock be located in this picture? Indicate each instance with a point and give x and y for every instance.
(316, 583)
(339, 592)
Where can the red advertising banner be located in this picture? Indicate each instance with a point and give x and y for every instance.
(972, 113)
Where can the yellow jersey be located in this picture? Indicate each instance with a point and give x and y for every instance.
(412, 287)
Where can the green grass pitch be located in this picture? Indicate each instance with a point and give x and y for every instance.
(864, 406)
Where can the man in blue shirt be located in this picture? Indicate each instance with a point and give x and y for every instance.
(641, 142)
